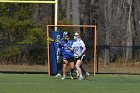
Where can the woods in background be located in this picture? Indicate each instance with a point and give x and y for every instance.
(22, 29)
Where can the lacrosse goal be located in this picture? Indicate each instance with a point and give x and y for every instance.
(88, 35)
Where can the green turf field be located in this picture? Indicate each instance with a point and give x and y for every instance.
(41, 83)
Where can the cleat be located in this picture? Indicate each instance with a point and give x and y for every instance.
(87, 74)
(58, 75)
(81, 78)
(71, 75)
(63, 78)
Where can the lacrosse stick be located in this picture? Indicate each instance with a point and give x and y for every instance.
(57, 41)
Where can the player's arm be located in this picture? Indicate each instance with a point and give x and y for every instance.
(84, 48)
(83, 51)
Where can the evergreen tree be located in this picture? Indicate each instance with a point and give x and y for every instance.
(17, 33)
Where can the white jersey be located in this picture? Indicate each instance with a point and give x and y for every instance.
(78, 47)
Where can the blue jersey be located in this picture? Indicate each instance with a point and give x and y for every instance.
(67, 53)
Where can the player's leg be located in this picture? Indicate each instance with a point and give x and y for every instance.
(84, 72)
(78, 64)
(71, 69)
(64, 68)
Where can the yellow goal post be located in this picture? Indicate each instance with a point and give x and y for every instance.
(78, 26)
(55, 2)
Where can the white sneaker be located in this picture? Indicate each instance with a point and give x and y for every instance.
(71, 76)
(63, 78)
(87, 74)
(81, 78)
(58, 75)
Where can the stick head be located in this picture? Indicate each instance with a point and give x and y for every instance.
(50, 39)
(53, 40)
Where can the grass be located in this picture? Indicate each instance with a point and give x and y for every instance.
(41, 83)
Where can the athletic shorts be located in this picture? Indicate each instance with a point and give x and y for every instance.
(80, 58)
(69, 58)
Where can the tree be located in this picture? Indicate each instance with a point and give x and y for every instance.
(130, 32)
(75, 12)
(18, 32)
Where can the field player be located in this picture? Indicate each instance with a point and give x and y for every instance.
(79, 50)
(68, 55)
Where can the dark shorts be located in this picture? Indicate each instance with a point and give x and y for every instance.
(69, 59)
(80, 58)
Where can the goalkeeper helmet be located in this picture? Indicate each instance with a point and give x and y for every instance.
(66, 34)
